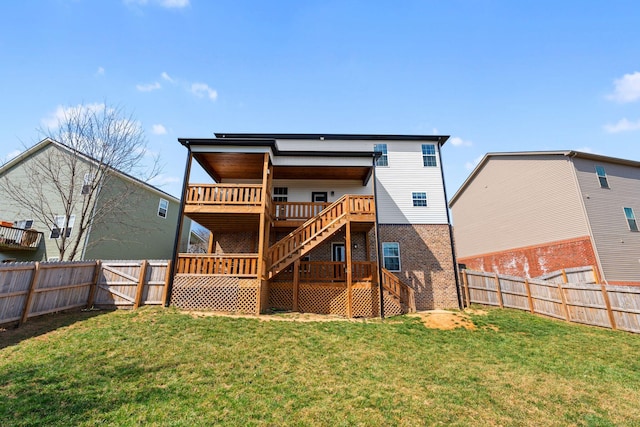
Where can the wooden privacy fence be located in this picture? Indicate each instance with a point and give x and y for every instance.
(615, 307)
(36, 288)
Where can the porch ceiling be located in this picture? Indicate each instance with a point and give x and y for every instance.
(354, 173)
(227, 222)
(223, 166)
(230, 166)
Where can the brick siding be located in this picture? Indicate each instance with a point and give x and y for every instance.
(534, 261)
(426, 261)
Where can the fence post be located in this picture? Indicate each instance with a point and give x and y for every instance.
(465, 282)
(595, 273)
(140, 287)
(27, 303)
(564, 276)
(94, 284)
(529, 298)
(608, 304)
(165, 291)
(499, 291)
(564, 302)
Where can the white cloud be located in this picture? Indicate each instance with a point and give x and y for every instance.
(471, 165)
(202, 89)
(158, 129)
(162, 179)
(166, 77)
(148, 87)
(99, 72)
(168, 4)
(623, 125)
(10, 156)
(174, 3)
(627, 88)
(61, 113)
(585, 149)
(459, 142)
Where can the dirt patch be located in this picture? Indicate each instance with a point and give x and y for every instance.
(446, 320)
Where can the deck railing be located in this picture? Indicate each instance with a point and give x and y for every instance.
(331, 271)
(19, 238)
(399, 289)
(297, 211)
(240, 265)
(225, 194)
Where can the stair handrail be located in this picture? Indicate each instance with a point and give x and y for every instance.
(399, 289)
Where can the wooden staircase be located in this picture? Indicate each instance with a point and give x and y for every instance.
(399, 291)
(317, 229)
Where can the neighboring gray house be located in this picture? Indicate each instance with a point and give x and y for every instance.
(530, 213)
(142, 227)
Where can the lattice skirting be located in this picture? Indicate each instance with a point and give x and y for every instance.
(392, 307)
(218, 293)
(322, 299)
(281, 295)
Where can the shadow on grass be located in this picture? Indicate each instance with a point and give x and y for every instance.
(13, 334)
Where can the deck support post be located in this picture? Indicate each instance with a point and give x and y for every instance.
(349, 269)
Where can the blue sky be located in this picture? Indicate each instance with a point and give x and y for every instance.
(497, 75)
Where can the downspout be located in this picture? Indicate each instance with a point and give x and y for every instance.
(573, 154)
(378, 243)
(176, 243)
(453, 249)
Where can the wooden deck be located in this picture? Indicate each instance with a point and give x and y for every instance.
(19, 239)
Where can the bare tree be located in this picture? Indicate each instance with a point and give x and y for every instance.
(93, 146)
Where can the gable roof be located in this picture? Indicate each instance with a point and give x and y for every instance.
(566, 153)
(48, 141)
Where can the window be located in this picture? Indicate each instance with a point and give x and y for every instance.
(419, 199)
(86, 185)
(631, 219)
(429, 155)
(383, 159)
(391, 256)
(602, 177)
(70, 224)
(25, 224)
(57, 226)
(163, 208)
(280, 194)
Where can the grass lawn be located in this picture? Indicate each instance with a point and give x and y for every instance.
(161, 367)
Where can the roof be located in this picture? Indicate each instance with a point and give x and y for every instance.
(441, 139)
(48, 141)
(566, 153)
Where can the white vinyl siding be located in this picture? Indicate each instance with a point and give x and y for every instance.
(617, 248)
(395, 184)
(300, 190)
(518, 201)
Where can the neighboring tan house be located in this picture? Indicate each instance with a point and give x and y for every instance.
(143, 227)
(293, 221)
(530, 213)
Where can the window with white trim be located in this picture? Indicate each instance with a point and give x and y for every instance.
(163, 208)
(391, 256)
(58, 227)
(631, 219)
(280, 194)
(419, 199)
(429, 155)
(602, 176)
(86, 184)
(383, 160)
(25, 224)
